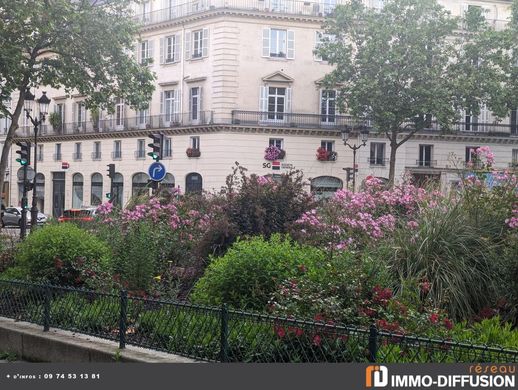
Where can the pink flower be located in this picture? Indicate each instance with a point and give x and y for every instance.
(317, 340)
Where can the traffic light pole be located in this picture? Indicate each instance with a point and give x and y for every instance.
(23, 227)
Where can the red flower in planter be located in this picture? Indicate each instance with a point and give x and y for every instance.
(322, 154)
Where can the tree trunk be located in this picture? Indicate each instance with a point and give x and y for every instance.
(9, 138)
(392, 162)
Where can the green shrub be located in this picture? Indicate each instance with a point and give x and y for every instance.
(251, 271)
(491, 332)
(63, 254)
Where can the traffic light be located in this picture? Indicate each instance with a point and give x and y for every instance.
(24, 152)
(350, 173)
(156, 146)
(108, 195)
(111, 171)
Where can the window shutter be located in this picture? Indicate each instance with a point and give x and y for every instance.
(74, 112)
(318, 40)
(176, 107)
(162, 103)
(150, 46)
(205, 42)
(162, 50)
(266, 42)
(200, 101)
(177, 47)
(321, 102)
(83, 112)
(187, 46)
(287, 105)
(291, 44)
(263, 98)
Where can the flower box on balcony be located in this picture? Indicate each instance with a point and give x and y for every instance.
(193, 152)
(325, 155)
(272, 153)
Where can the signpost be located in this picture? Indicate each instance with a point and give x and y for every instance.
(157, 171)
(65, 165)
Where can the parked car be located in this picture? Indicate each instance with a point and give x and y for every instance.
(12, 216)
(78, 215)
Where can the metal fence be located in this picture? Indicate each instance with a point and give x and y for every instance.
(221, 334)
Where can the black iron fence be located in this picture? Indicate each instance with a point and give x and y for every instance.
(222, 334)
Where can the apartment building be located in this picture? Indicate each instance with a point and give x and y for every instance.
(234, 77)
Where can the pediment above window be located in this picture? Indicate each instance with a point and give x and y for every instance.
(278, 77)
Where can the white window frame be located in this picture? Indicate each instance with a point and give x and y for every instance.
(195, 101)
(325, 117)
(197, 44)
(277, 142)
(119, 114)
(329, 146)
(170, 48)
(194, 142)
(277, 45)
(378, 157)
(168, 147)
(117, 149)
(425, 158)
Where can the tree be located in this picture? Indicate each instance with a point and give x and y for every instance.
(82, 46)
(408, 63)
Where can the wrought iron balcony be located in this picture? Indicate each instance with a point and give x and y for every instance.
(377, 161)
(77, 156)
(426, 163)
(57, 157)
(140, 154)
(117, 155)
(96, 156)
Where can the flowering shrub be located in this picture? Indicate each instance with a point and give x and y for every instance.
(193, 152)
(325, 155)
(272, 153)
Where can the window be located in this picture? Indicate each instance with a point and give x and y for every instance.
(60, 110)
(96, 196)
(118, 190)
(96, 154)
(170, 49)
(140, 153)
(40, 191)
(476, 122)
(145, 52)
(170, 106)
(79, 115)
(168, 182)
(327, 6)
(77, 191)
(77, 152)
(328, 146)
(514, 160)
(119, 112)
(117, 150)
(193, 183)
(325, 186)
(146, 11)
(470, 153)
(143, 118)
(40, 152)
(278, 6)
(277, 103)
(139, 184)
(328, 106)
(197, 44)
(168, 147)
(57, 152)
(377, 155)
(277, 142)
(425, 156)
(195, 143)
(278, 43)
(195, 103)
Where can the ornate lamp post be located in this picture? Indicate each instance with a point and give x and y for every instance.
(359, 136)
(43, 103)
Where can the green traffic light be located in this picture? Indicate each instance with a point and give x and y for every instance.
(154, 156)
(21, 161)
(108, 195)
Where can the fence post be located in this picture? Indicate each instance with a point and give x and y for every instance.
(373, 342)
(223, 353)
(46, 308)
(122, 319)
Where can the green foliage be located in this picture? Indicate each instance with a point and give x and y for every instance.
(250, 271)
(63, 254)
(489, 332)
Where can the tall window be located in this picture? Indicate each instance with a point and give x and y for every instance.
(139, 184)
(425, 156)
(117, 150)
(514, 160)
(195, 142)
(470, 153)
(119, 112)
(80, 114)
(377, 153)
(276, 103)
(145, 52)
(77, 191)
(143, 118)
(40, 191)
(96, 155)
(195, 103)
(60, 110)
(328, 106)
(197, 44)
(57, 152)
(328, 6)
(146, 11)
(168, 147)
(40, 152)
(140, 152)
(193, 183)
(278, 43)
(96, 197)
(277, 142)
(171, 49)
(77, 151)
(170, 102)
(118, 190)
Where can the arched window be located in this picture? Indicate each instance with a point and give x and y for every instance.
(193, 183)
(96, 194)
(118, 189)
(168, 182)
(139, 184)
(325, 186)
(40, 192)
(77, 191)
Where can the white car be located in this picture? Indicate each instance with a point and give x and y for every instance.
(13, 217)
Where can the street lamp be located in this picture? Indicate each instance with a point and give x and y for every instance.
(43, 103)
(361, 133)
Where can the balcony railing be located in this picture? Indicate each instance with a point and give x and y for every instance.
(426, 163)
(57, 156)
(140, 154)
(117, 155)
(96, 156)
(77, 156)
(513, 164)
(377, 161)
(288, 7)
